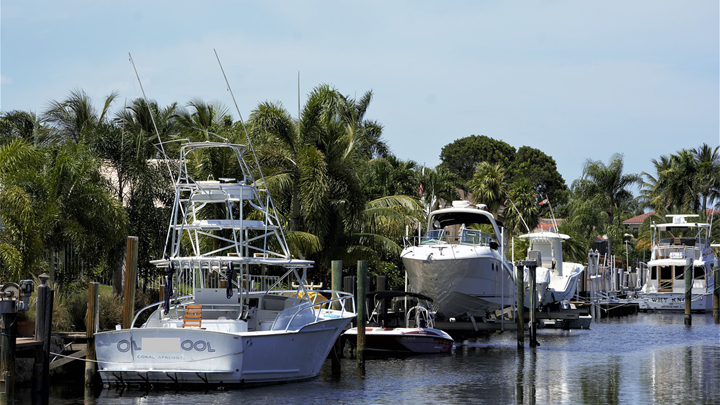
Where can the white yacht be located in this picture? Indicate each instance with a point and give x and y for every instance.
(460, 264)
(556, 279)
(675, 245)
(227, 331)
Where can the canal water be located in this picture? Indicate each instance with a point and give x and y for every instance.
(645, 358)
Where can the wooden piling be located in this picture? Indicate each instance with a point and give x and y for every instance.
(520, 303)
(716, 292)
(46, 333)
(533, 307)
(336, 284)
(8, 341)
(91, 320)
(688, 290)
(130, 281)
(336, 280)
(361, 290)
(38, 382)
(534, 260)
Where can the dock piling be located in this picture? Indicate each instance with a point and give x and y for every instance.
(520, 303)
(534, 259)
(91, 320)
(716, 291)
(688, 290)
(8, 340)
(130, 269)
(336, 280)
(361, 290)
(336, 284)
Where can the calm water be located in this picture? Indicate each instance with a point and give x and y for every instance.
(648, 358)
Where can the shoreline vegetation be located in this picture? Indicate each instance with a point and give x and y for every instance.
(77, 179)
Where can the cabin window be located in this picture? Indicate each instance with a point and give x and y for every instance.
(699, 273)
(680, 272)
(653, 273)
(666, 272)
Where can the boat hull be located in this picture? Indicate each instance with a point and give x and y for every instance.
(403, 340)
(195, 356)
(674, 302)
(462, 281)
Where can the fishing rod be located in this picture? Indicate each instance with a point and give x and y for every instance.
(152, 118)
(270, 202)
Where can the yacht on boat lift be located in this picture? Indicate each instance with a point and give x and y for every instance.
(676, 245)
(227, 332)
(460, 264)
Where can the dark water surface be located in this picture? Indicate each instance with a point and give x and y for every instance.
(647, 358)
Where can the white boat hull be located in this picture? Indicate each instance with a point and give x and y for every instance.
(674, 302)
(403, 340)
(177, 356)
(460, 282)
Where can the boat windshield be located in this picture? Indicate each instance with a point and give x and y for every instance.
(475, 237)
(433, 236)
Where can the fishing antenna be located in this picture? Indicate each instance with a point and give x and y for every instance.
(252, 149)
(152, 118)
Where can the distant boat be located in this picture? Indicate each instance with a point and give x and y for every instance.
(235, 327)
(459, 262)
(556, 279)
(674, 245)
(393, 331)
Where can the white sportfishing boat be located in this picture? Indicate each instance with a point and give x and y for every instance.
(388, 332)
(460, 264)
(676, 245)
(222, 234)
(556, 279)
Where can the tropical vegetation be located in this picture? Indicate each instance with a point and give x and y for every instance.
(80, 179)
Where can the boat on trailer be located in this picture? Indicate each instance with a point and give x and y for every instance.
(676, 245)
(393, 330)
(227, 331)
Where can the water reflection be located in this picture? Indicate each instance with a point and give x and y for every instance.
(648, 358)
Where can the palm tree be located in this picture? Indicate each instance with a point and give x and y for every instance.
(75, 118)
(312, 166)
(52, 197)
(23, 125)
(707, 178)
(488, 186)
(607, 186)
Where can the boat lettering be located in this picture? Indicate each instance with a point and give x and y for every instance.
(199, 346)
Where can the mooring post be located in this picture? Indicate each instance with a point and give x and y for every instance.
(7, 351)
(361, 290)
(688, 290)
(130, 281)
(520, 305)
(534, 260)
(91, 320)
(336, 284)
(716, 291)
(47, 332)
(336, 281)
(38, 382)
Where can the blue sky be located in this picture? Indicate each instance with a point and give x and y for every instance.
(576, 79)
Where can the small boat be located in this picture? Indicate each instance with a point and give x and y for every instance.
(460, 264)
(676, 245)
(556, 279)
(239, 325)
(388, 332)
